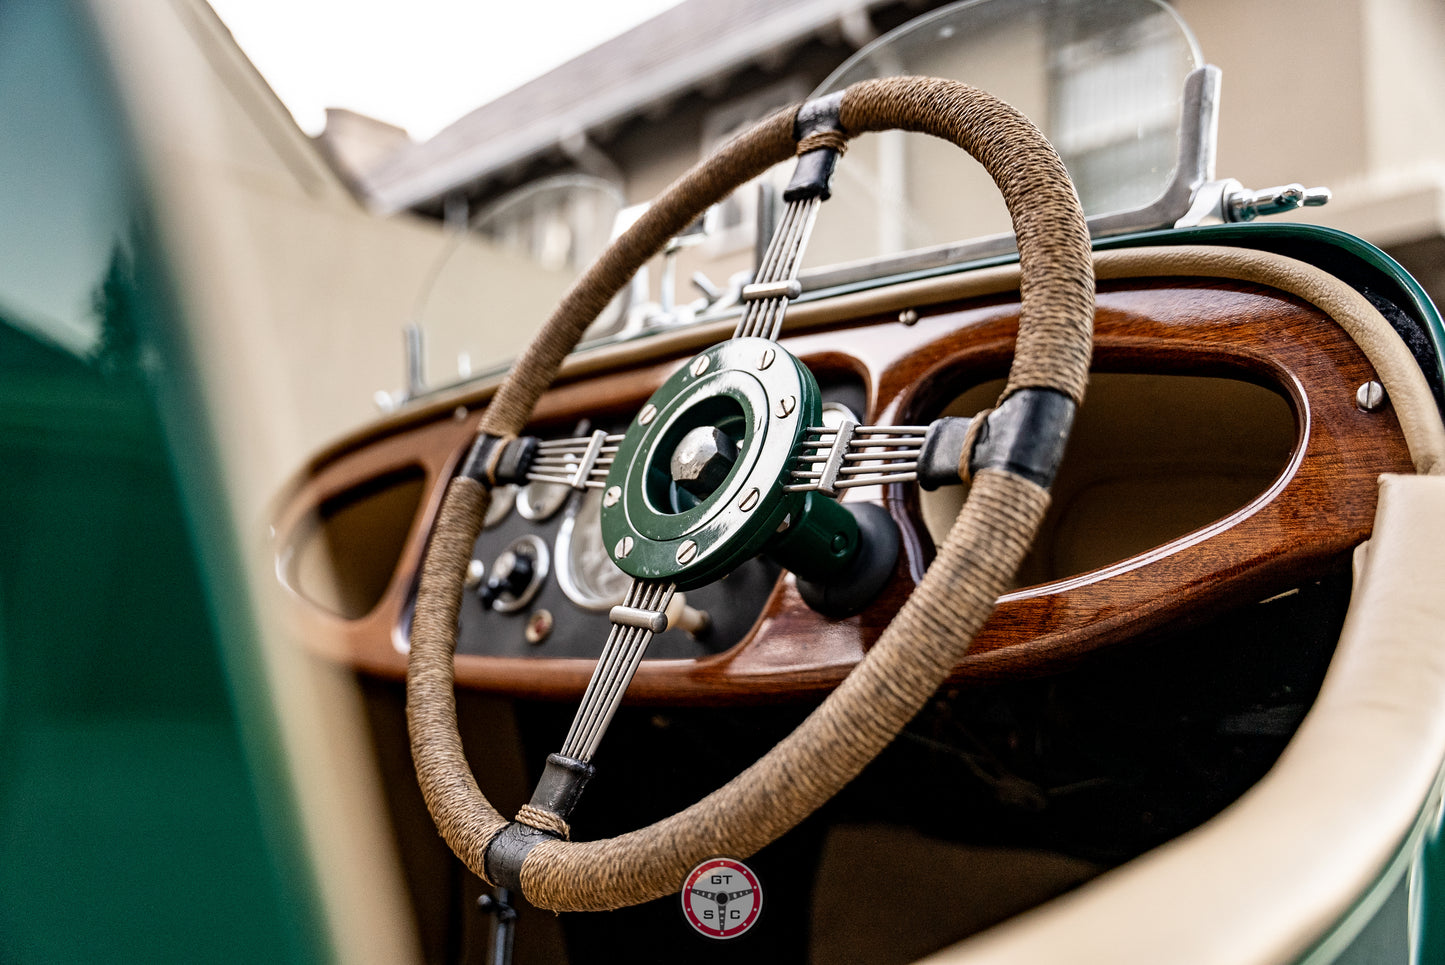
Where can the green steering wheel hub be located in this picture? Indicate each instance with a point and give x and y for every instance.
(759, 399)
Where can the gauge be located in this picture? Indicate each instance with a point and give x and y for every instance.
(584, 570)
(502, 499)
(538, 500)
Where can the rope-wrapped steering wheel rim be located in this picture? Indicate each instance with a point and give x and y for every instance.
(930, 633)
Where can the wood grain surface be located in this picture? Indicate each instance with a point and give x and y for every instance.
(1319, 507)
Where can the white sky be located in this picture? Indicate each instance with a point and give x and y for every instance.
(420, 64)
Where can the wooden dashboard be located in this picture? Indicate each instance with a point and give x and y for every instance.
(1227, 462)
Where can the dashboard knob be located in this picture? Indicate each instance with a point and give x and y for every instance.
(516, 575)
(511, 574)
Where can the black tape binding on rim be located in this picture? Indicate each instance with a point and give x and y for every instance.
(814, 172)
(511, 465)
(558, 791)
(1025, 435)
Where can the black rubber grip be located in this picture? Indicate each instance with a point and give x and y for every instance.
(942, 452)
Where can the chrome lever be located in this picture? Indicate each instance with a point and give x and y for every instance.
(1246, 205)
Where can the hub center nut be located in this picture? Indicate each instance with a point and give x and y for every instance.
(702, 460)
(701, 479)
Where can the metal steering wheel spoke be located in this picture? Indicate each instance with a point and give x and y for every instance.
(830, 459)
(582, 462)
(641, 615)
(766, 299)
(1024, 435)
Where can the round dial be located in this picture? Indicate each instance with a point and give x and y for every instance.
(835, 413)
(539, 500)
(584, 570)
(501, 505)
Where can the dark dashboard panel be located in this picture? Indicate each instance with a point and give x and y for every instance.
(569, 630)
(573, 584)
(1307, 515)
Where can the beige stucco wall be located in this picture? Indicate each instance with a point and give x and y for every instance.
(304, 294)
(1346, 94)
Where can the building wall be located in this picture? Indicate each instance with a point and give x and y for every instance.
(1346, 94)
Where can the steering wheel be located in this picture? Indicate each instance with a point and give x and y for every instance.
(670, 540)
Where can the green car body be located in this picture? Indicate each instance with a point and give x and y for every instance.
(144, 812)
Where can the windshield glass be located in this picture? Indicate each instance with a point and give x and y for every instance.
(538, 239)
(1103, 79)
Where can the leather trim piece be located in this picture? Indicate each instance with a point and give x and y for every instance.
(1268, 878)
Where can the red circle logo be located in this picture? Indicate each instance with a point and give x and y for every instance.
(721, 898)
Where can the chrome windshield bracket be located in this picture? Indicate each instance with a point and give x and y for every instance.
(1247, 205)
(1229, 202)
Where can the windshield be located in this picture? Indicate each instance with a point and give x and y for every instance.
(1103, 79)
(538, 238)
